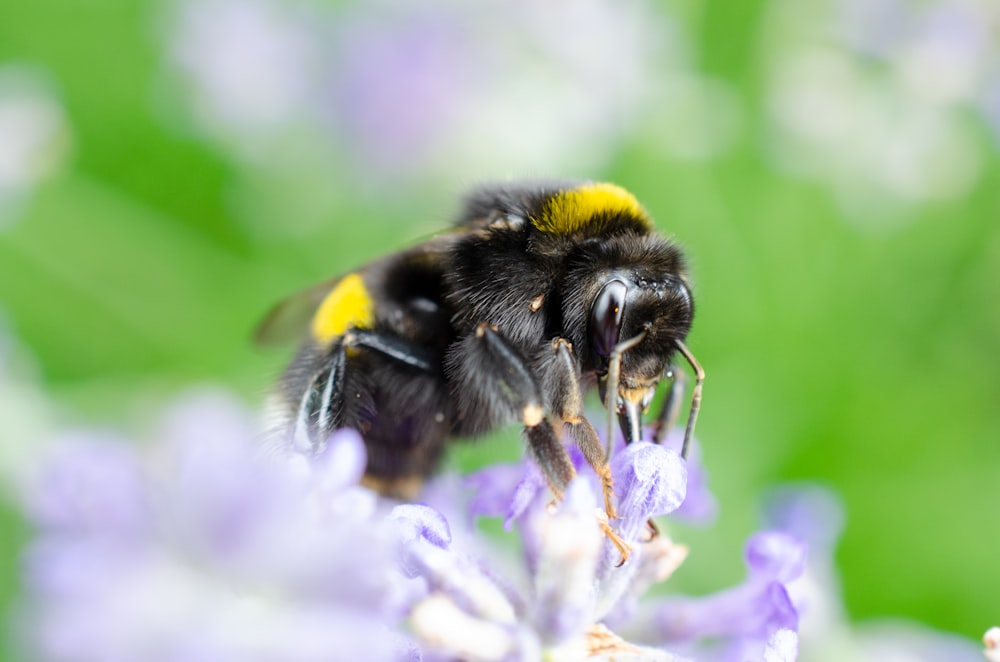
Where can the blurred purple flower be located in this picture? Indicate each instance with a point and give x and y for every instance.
(249, 64)
(201, 550)
(394, 94)
(756, 620)
(815, 515)
(404, 91)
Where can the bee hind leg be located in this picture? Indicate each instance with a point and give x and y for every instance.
(322, 409)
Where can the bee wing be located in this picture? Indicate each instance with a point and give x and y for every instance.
(289, 319)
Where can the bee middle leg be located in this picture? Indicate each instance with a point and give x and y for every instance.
(506, 374)
(495, 381)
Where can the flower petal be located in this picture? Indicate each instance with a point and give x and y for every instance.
(569, 545)
(93, 486)
(782, 646)
(417, 521)
(775, 555)
(342, 462)
(650, 480)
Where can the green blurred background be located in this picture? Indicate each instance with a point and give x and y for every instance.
(170, 169)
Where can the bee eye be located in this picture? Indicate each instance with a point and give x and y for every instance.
(606, 317)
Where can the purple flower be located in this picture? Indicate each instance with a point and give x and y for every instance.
(408, 91)
(248, 64)
(755, 620)
(815, 515)
(202, 546)
(203, 550)
(652, 481)
(568, 580)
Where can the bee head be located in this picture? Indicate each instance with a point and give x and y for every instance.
(638, 307)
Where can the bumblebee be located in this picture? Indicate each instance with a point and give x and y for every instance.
(539, 292)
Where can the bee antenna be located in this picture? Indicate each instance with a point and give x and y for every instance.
(699, 375)
(614, 375)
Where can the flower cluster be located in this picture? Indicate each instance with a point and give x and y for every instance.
(201, 550)
(198, 547)
(409, 90)
(205, 546)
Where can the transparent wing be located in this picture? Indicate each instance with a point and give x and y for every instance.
(289, 319)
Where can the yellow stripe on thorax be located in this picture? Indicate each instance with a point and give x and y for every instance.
(347, 305)
(570, 211)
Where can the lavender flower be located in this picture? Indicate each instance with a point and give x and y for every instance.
(569, 580)
(408, 91)
(202, 551)
(198, 547)
(756, 620)
(815, 515)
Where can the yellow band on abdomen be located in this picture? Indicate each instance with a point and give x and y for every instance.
(348, 305)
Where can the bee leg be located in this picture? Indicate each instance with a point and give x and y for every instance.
(671, 406)
(322, 408)
(392, 347)
(508, 375)
(562, 381)
(497, 378)
(668, 413)
(558, 470)
(551, 456)
(699, 380)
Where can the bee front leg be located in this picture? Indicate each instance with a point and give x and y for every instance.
(562, 382)
(668, 413)
(671, 406)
